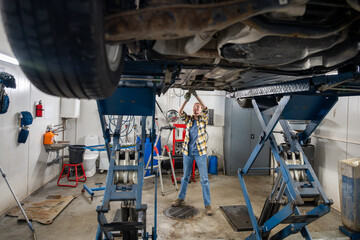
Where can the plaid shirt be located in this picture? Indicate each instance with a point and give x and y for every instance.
(201, 123)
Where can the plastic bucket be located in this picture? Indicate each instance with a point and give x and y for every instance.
(76, 154)
(213, 164)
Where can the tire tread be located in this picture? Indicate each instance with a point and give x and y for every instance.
(60, 46)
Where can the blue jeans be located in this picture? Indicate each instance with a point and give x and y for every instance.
(201, 162)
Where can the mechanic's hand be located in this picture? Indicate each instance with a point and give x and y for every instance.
(187, 96)
(193, 92)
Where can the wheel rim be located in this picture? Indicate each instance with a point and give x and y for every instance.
(113, 53)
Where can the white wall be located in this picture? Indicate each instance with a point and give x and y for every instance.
(89, 123)
(337, 138)
(4, 46)
(25, 164)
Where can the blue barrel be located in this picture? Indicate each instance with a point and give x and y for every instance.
(213, 164)
(148, 152)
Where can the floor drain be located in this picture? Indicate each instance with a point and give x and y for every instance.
(182, 212)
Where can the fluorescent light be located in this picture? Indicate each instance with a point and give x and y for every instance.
(8, 59)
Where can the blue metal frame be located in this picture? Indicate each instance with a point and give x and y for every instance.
(125, 101)
(302, 107)
(349, 233)
(92, 190)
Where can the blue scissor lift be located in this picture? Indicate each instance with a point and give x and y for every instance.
(309, 103)
(132, 216)
(135, 96)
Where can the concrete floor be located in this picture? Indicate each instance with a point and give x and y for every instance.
(78, 220)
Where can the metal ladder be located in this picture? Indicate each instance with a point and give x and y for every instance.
(162, 157)
(291, 107)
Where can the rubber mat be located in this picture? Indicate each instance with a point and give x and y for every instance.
(44, 211)
(238, 217)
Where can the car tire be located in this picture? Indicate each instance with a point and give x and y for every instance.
(61, 48)
(245, 102)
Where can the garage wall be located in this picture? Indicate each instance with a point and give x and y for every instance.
(4, 46)
(25, 164)
(88, 123)
(337, 138)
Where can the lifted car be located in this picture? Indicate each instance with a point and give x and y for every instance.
(74, 48)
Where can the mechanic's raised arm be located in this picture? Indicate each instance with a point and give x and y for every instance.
(205, 110)
(203, 106)
(187, 97)
(181, 109)
(183, 115)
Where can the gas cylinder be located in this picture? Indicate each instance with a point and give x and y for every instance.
(213, 163)
(49, 138)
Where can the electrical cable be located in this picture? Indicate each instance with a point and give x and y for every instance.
(129, 122)
(182, 93)
(133, 122)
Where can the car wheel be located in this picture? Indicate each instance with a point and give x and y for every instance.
(245, 102)
(61, 48)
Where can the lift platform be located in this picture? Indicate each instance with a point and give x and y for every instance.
(135, 96)
(291, 107)
(130, 219)
(296, 184)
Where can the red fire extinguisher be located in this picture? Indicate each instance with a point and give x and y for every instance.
(39, 109)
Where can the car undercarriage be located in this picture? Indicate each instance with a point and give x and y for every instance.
(218, 45)
(288, 59)
(269, 44)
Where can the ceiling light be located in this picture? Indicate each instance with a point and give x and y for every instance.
(8, 59)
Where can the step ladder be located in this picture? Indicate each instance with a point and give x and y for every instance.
(162, 157)
(291, 107)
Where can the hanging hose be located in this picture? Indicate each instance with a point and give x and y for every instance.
(6, 81)
(26, 119)
(129, 119)
(182, 93)
(4, 102)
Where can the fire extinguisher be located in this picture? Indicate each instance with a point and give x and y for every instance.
(39, 109)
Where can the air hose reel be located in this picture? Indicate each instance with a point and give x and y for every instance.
(6, 81)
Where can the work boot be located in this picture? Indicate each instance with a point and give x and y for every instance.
(178, 202)
(208, 210)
